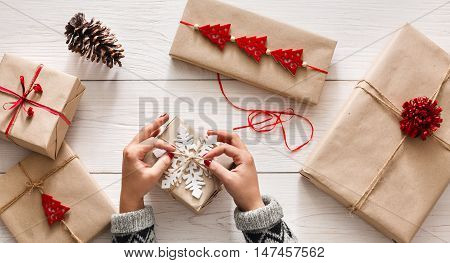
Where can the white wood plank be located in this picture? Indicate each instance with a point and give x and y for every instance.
(312, 215)
(109, 113)
(109, 116)
(146, 29)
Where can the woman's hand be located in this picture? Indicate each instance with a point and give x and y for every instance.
(138, 177)
(241, 182)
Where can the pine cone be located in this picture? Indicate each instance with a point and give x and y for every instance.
(93, 40)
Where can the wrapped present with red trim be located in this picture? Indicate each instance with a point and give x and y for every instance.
(254, 49)
(37, 104)
(53, 201)
(387, 155)
(188, 180)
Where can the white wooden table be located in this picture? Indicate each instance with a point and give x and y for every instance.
(109, 114)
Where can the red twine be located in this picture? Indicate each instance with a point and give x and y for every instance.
(254, 46)
(22, 99)
(274, 118)
(421, 117)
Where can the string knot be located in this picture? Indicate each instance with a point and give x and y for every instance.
(35, 185)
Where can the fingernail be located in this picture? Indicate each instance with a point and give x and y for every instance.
(158, 152)
(163, 115)
(207, 163)
(210, 130)
(171, 155)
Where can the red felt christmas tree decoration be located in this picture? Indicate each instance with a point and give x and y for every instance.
(421, 117)
(53, 209)
(289, 59)
(255, 47)
(217, 34)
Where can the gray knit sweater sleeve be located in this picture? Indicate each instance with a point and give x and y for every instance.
(134, 227)
(265, 224)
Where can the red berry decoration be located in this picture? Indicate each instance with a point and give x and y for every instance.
(289, 59)
(30, 112)
(37, 88)
(421, 117)
(217, 34)
(255, 47)
(53, 209)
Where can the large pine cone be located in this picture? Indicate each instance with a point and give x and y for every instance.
(93, 40)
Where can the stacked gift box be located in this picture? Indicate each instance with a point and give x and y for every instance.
(51, 186)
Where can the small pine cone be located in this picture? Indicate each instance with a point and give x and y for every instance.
(93, 40)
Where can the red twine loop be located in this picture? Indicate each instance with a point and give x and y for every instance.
(421, 117)
(272, 120)
(22, 99)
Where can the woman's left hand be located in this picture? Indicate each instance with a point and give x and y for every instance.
(137, 176)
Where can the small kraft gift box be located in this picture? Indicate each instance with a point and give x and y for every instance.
(188, 180)
(253, 49)
(37, 104)
(387, 155)
(53, 201)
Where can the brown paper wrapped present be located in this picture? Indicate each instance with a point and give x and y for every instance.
(40, 123)
(67, 180)
(194, 48)
(183, 136)
(367, 163)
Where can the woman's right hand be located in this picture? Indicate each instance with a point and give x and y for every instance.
(241, 182)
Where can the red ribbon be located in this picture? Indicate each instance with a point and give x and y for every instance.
(22, 99)
(274, 118)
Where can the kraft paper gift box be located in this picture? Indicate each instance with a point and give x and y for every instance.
(365, 142)
(67, 180)
(212, 186)
(44, 132)
(192, 47)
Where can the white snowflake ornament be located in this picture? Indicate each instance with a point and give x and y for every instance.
(187, 165)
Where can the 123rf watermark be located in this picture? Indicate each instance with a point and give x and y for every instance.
(212, 113)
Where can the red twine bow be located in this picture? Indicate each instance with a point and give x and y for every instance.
(22, 99)
(272, 120)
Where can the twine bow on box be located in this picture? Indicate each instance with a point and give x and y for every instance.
(420, 118)
(54, 211)
(19, 104)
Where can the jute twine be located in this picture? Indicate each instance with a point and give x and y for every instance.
(384, 101)
(30, 185)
